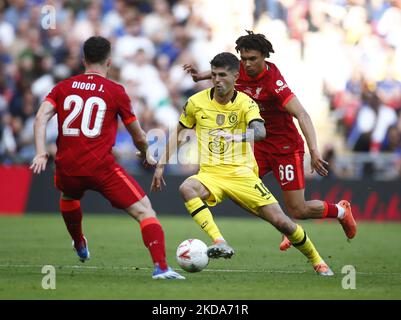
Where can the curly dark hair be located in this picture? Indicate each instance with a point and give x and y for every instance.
(254, 41)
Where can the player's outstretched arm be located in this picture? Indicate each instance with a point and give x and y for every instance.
(196, 76)
(295, 108)
(256, 132)
(44, 114)
(171, 148)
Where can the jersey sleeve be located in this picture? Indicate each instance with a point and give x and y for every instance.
(187, 118)
(53, 96)
(281, 89)
(125, 109)
(252, 111)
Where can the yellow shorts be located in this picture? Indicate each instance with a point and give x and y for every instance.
(244, 188)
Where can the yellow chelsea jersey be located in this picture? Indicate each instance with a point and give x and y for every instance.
(209, 117)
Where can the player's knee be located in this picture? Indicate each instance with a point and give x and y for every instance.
(141, 209)
(145, 213)
(187, 191)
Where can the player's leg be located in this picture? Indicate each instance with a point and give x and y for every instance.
(317, 209)
(72, 214)
(294, 232)
(289, 172)
(153, 237)
(125, 193)
(298, 208)
(72, 190)
(194, 192)
(266, 163)
(250, 193)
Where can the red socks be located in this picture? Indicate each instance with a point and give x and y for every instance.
(153, 238)
(330, 210)
(72, 214)
(152, 231)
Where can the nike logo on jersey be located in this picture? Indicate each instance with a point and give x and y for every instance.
(284, 183)
(203, 117)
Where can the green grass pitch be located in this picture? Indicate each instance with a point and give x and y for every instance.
(120, 266)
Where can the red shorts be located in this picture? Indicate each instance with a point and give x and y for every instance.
(115, 184)
(288, 168)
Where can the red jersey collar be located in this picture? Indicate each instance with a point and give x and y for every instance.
(258, 77)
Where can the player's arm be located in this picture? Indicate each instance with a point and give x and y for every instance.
(295, 108)
(256, 131)
(195, 74)
(172, 146)
(44, 114)
(139, 138)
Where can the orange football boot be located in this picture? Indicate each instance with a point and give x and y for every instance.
(285, 244)
(347, 222)
(323, 269)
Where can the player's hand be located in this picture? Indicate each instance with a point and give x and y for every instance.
(318, 164)
(39, 163)
(158, 179)
(148, 160)
(190, 69)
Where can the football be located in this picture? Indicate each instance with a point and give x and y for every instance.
(192, 255)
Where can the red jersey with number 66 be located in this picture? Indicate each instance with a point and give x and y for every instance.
(271, 92)
(87, 106)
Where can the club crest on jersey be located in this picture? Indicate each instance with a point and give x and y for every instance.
(257, 92)
(254, 93)
(233, 118)
(220, 119)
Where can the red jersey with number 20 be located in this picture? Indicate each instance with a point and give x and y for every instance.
(271, 92)
(87, 106)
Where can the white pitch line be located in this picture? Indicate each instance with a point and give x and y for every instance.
(126, 268)
(205, 270)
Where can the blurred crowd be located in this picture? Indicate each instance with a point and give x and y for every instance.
(151, 40)
(354, 46)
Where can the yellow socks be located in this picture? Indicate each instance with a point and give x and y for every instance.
(203, 217)
(300, 240)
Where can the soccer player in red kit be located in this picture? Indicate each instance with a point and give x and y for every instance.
(282, 151)
(87, 107)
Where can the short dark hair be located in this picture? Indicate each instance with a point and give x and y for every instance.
(225, 60)
(254, 41)
(96, 49)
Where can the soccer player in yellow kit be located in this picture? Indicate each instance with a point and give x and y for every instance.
(226, 121)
